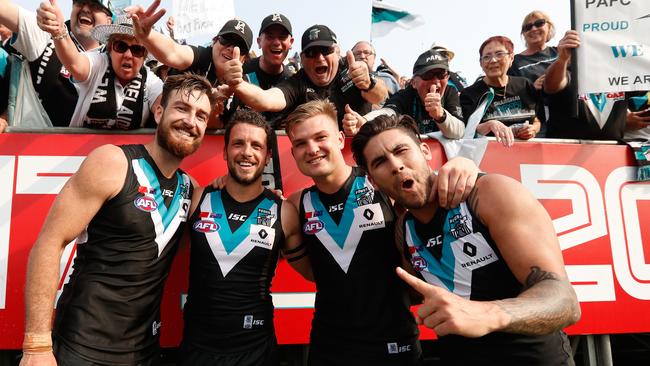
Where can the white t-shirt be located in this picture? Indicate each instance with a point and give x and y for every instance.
(99, 63)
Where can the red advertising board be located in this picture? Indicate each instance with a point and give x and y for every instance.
(588, 190)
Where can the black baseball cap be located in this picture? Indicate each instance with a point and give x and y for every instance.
(318, 35)
(240, 29)
(430, 60)
(276, 18)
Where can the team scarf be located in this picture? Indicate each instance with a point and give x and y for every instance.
(103, 111)
(47, 67)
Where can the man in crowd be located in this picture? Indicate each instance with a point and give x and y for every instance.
(491, 297)
(455, 80)
(362, 312)
(324, 75)
(213, 62)
(126, 206)
(364, 51)
(428, 99)
(237, 233)
(50, 80)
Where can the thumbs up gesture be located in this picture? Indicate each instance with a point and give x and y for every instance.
(50, 19)
(433, 103)
(447, 313)
(352, 121)
(234, 70)
(358, 72)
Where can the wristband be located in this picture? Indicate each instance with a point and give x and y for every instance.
(61, 35)
(35, 343)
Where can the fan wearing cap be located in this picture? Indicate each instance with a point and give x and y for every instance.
(116, 90)
(455, 80)
(428, 100)
(211, 62)
(275, 41)
(50, 81)
(324, 75)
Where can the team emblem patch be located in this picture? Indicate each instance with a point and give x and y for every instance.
(264, 217)
(364, 196)
(206, 223)
(459, 225)
(146, 202)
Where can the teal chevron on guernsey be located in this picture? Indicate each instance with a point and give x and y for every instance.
(386, 17)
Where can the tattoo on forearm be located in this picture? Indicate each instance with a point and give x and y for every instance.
(547, 303)
(537, 275)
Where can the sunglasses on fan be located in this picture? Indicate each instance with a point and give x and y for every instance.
(136, 49)
(537, 24)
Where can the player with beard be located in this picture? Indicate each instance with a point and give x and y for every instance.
(116, 90)
(125, 206)
(50, 80)
(496, 291)
(237, 234)
(362, 314)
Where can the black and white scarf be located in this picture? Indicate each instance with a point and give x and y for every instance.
(103, 112)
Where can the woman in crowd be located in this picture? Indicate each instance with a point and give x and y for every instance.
(536, 29)
(116, 90)
(510, 112)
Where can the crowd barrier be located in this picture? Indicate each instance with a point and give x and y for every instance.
(597, 208)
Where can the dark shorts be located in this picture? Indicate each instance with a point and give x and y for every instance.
(65, 356)
(260, 354)
(403, 353)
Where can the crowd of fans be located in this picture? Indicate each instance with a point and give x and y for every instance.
(103, 69)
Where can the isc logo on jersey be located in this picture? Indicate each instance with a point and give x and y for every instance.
(146, 202)
(206, 223)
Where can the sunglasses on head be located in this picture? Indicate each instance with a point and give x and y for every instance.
(313, 52)
(438, 74)
(233, 41)
(136, 49)
(537, 24)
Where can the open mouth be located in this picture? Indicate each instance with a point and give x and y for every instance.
(316, 160)
(85, 20)
(320, 70)
(408, 184)
(277, 52)
(127, 66)
(245, 164)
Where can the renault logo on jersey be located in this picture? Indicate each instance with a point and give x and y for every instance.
(312, 227)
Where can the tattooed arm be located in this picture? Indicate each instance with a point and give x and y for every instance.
(524, 234)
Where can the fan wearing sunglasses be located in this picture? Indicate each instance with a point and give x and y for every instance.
(116, 91)
(537, 30)
(429, 100)
(212, 61)
(324, 75)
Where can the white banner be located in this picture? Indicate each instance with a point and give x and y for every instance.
(614, 53)
(201, 17)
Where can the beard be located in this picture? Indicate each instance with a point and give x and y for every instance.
(428, 195)
(245, 181)
(175, 147)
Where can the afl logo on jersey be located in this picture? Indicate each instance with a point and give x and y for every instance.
(146, 204)
(312, 227)
(205, 226)
(419, 264)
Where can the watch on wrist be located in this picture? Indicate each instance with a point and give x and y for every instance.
(443, 118)
(373, 82)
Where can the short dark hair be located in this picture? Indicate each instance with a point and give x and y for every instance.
(378, 125)
(249, 116)
(187, 83)
(505, 41)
